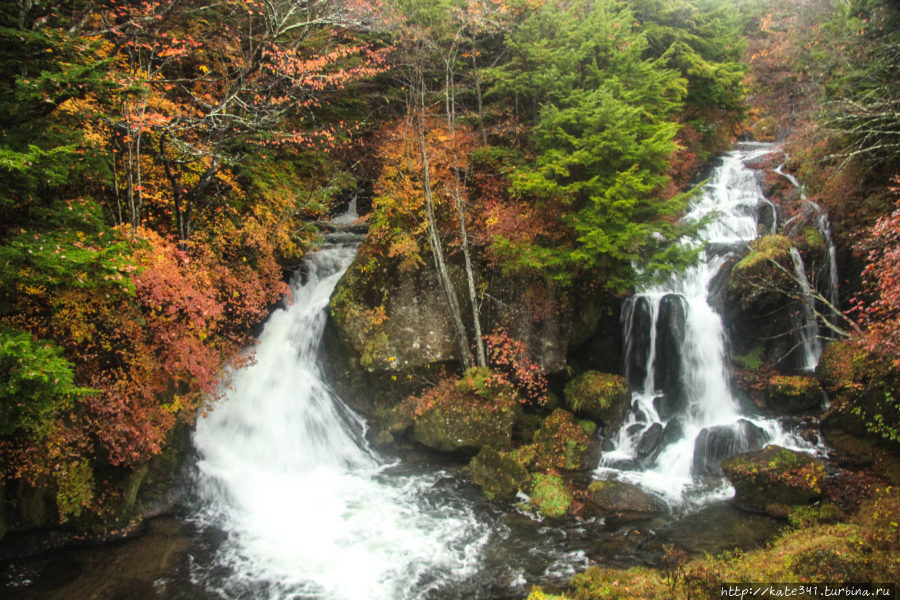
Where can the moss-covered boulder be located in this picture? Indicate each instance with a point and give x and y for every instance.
(562, 443)
(600, 397)
(793, 393)
(462, 415)
(550, 495)
(622, 500)
(756, 279)
(499, 476)
(774, 479)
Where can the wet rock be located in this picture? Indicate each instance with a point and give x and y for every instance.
(638, 322)
(392, 323)
(773, 479)
(622, 500)
(650, 440)
(668, 368)
(600, 397)
(673, 432)
(499, 476)
(793, 393)
(715, 444)
(634, 429)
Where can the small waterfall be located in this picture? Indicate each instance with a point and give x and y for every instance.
(809, 326)
(824, 227)
(684, 417)
(310, 511)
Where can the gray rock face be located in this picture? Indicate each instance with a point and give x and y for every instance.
(715, 444)
(412, 327)
(622, 500)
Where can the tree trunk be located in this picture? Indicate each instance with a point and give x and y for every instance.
(434, 239)
(480, 356)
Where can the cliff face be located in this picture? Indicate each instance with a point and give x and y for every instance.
(396, 321)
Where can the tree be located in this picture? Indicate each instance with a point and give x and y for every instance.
(603, 135)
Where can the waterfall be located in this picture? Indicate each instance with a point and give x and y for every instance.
(684, 417)
(809, 326)
(309, 509)
(824, 227)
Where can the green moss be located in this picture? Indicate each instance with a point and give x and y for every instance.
(599, 396)
(751, 360)
(812, 241)
(499, 476)
(762, 250)
(483, 382)
(774, 479)
(590, 428)
(863, 549)
(816, 514)
(550, 495)
(561, 443)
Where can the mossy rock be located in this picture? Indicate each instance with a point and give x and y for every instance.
(754, 277)
(465, 428)
(499, 476)
(793, 393)
(562, 443)
(763, 250)
(773, 479)
(463, 415)
(550, 495)
(622, 500)
(601, 397)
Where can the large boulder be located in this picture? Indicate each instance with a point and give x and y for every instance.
(564, 444)
(499, 476)
(622, 500)
(600, 397)
(396, 321)
(715, 444)
(793, 393)
(773, 479)
(461, 416)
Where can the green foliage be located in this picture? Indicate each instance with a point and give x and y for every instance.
(75, 489)
(881, 419)
(820, 513)
(38, 383)
(604, 132)
(862, 87)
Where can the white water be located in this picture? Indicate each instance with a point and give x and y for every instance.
(310, 511)
(731, 199)
(809, 328)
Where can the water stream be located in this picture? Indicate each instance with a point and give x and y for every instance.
(310, 509)
(684, 416)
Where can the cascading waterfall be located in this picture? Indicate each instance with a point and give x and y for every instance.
(684, 417)
(809, 327)
(309, 509)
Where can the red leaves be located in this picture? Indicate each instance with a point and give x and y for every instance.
(510, 356)
(881, 275)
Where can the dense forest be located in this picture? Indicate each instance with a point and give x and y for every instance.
(167, 165)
